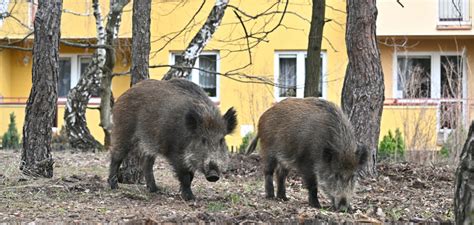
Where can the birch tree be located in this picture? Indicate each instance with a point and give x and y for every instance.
(106, 100)
(98, 76)
(78, 133)
(36, 158)
(199, 41)
(363, 89)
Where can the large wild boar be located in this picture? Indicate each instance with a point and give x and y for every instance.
(176, 119)
(314, 137)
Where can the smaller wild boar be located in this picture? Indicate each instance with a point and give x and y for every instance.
(314, 137)
(176, 119)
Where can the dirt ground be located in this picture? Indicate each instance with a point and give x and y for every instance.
(78, 192)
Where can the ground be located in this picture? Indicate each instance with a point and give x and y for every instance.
(78, 192)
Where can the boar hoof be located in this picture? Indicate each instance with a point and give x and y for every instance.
(270, 196)
(113, 183)
(152, 188)
(283, 198)
(315, 204)
(187, 196)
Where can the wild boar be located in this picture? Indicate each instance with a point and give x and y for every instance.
(176, 119)
(314, 137)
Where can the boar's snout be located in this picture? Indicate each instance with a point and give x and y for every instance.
(212, 174)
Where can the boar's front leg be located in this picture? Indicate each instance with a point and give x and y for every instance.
(148, 162)
(185, 178)
(312, 185)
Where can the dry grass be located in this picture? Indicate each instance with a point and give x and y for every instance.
(78, 193)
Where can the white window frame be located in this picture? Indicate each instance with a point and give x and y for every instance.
(435, 85)
(75, 74)
(300, 72)
(466, 15)
(194, 76)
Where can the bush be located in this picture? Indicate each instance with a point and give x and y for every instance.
(392, 146)
(246, 141)
(11, 139)
(444, 152)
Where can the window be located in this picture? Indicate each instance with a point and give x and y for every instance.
(437, 78)
(454, 12)
(205, 76)
(414, 78)
(428, 75)
(71, 68)
(451, 77)
(290, 69)
(287, 76)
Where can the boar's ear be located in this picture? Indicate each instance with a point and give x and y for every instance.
(230, 118)
(328, 155)
(192, 120)
(362, 154)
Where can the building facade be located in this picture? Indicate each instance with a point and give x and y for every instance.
(407, 41)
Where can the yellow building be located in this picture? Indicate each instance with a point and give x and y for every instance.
(280, 57)
(427, 54)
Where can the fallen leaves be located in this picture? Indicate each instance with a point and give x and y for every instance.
(79, 192)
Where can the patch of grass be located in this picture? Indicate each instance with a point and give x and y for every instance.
(235, 198)
(102, 210)
(216, 206)
(395, 213)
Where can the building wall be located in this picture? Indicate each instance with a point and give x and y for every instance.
(418, 18)
(406, 115)
(77, 20)
(249, 99)
(5, 73)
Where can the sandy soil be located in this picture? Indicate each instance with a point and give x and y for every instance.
(78, 192)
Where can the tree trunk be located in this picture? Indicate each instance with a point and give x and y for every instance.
(106, 98)
(36, 159)
(199, 41)
(363, 90)
(75, 113)
(130, 171)
(140, 40)
(313, 64)
(463, 197)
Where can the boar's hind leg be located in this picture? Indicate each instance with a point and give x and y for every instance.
(148, 162)
(282, 172)
(269, 167)
(116, 159)
(312, 186)
(185, 178)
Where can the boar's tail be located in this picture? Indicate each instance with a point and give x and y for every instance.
(252, 146)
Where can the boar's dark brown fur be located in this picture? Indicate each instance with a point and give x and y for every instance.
(176, 119)
(314, 137)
